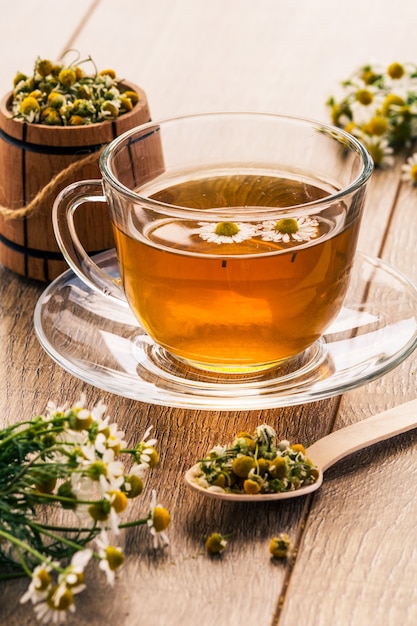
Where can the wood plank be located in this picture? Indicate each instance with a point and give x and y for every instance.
(354, 540)
(360, 535)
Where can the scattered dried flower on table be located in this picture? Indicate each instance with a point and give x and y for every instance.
(281, 547)
(73, 459)
(379, 106)
(216, 543)
(60, 94)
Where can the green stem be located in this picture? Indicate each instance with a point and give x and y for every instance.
(138, 522)
(69, 529)
(26, 548)
(26, 467)
(11, 575)
(54, 498)
(56, 422)
(52, 535)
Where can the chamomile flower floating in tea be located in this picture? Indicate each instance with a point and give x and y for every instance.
(226, 232)
(256, 463)
(379, 107)
(289, 229)
(286, 230)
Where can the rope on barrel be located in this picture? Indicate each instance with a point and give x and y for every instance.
(58, 182)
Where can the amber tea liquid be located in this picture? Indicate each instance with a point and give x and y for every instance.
(237, 306)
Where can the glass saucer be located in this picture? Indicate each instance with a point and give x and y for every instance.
(99, 341)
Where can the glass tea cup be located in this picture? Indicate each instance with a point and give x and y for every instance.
(235, 233)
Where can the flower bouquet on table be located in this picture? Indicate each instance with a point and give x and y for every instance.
(71, 459)
(379, 106)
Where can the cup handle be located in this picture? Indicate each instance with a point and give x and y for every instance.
(63, 211)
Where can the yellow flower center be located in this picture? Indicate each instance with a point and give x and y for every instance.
(133, 486)
(99, 511)
(413, 173)
(97, 469)
(280, 546)
(76, 120)
(377, 125)
(44, 67)
(251, 486)
(43, 579)
(368, 76)
(118, 501)
(396, 71)
(55, 100)
(376, 153)
(161, 518)
(114, 557)
(215, 543)
(75, 421)
(61, 602)
(226, 229)
(364, 96)
(67, 77)
(287, 226)
(153, 456)
(110, 109)
(242, 465)
(29, 104)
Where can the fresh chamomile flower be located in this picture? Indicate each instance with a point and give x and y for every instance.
(379, 107)
(133, 484)
(104, 469)
(409, 170)
(110, 437)
(218, 451)
(111, 557)
(103, 514)
(145, 453)
(226, 232)
(290, 229)
(73, 576)
(57, 604)
(40, 584)
(158, 522)
(380, 151)
(75, 448)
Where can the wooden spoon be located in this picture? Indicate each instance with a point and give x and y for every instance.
(328, 450)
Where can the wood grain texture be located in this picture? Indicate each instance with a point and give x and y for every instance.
(355, 560)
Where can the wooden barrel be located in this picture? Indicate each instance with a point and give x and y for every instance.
(36, 162)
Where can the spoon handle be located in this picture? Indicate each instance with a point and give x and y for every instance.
(340, 443)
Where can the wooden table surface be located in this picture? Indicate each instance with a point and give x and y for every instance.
(356, 540)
